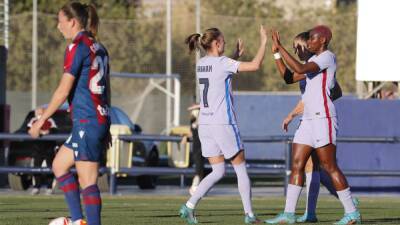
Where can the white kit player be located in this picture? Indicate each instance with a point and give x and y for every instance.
(218, 130)
(314, 174)
(318, 127)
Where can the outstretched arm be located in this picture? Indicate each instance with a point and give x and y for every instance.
(255, 64)
(285, 73)
(296, 66)
(278, 61)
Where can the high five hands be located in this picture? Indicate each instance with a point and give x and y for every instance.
(263, 35)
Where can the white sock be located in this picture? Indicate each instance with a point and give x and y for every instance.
(218, 171)
(292, 196)
(312, 183)
(347, 200)
(190, 205)
(244, 187)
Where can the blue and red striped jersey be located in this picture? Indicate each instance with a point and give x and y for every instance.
(87, 61)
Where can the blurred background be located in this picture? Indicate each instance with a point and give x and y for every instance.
(146, 38)
(134, 32)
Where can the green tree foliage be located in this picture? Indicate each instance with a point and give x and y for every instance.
(236, 22)
(134, 34)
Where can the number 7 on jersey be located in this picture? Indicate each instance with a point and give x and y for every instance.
(206, 83)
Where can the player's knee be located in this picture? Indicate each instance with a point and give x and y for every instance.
(218, 173)
(86, 181)
(297, 166)
(239, 158)
(328, 167)
(82, 181)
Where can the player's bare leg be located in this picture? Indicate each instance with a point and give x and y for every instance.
(327, 159)
(300, 155)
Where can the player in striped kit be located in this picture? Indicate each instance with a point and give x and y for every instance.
(318, 127)
(85, 83)
(218, 130)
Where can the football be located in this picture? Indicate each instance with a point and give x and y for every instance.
(61, 221)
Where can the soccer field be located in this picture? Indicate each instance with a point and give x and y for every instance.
(124, 210)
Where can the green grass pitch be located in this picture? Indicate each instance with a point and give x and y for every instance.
(162, 210)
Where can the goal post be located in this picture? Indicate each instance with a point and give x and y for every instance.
(155, 81)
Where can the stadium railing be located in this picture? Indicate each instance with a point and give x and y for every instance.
(283, 171)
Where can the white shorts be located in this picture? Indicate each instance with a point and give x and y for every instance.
(316, 132)
(219, 140)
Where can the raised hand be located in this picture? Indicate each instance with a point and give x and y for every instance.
(239, 47)
(263, 35)
(275, 38)
(274, 48)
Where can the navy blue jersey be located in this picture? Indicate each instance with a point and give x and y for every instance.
(302, 86)
(87, 61)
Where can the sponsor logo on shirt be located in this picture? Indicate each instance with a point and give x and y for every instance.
(71, 46)
(207, 114)
(231, 61)
(102, 110)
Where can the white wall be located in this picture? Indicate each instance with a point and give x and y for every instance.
(378, 40)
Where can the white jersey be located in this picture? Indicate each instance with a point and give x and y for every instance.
(317, 103)
(214, 75)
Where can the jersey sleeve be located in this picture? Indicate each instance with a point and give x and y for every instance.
(230, 65)
(302, 86)
(324, 60)
(74, 57)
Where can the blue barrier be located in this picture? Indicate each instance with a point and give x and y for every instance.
(263, 113)
(39, 170)
(274, 170)
(23, 137)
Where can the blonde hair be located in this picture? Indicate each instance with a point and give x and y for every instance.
(199, 42)
(301, 40)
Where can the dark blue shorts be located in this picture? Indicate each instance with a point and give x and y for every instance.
(89, 140)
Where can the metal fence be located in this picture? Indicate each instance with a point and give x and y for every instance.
(277, 170)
